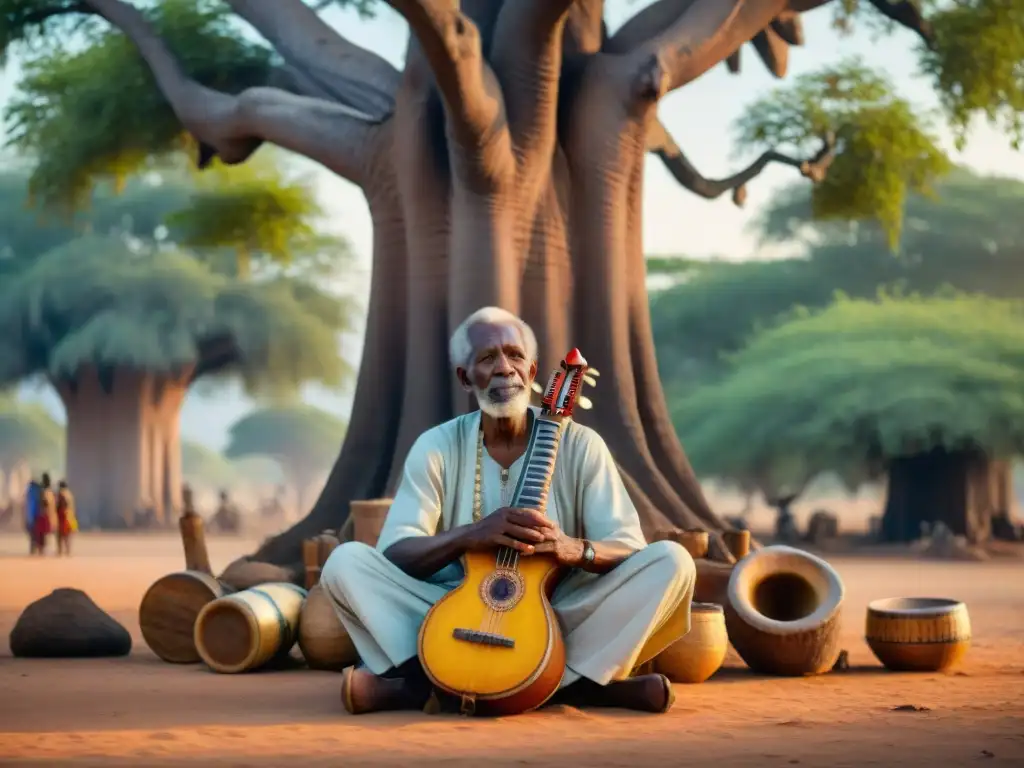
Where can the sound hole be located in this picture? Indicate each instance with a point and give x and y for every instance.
(502, 589)
(785, 597)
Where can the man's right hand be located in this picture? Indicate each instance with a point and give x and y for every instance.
(518, 529)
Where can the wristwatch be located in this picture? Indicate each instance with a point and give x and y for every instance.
(588, 553)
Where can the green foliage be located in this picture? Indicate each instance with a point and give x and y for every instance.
(251, 209)
(969, 237)
(977, 63)
(304, 440)
(96, 300)
(27, 233)
(884, 148)
(860, 383)
(205, 467)
(91, 111)
(28, 433)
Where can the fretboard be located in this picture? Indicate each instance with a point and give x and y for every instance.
(538, 464)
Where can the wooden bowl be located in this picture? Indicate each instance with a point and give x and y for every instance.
(699, 653)
(784, 611)
(918, 634)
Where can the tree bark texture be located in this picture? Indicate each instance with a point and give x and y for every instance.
(507, 169)
(123, 444)
(962, 490)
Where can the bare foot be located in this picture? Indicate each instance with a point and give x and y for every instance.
(643, 693)
(362, 692)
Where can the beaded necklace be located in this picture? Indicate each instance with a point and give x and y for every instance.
(478, 481)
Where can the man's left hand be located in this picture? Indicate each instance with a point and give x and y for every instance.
(567, 550)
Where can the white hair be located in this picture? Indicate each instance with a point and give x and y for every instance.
(460, 348)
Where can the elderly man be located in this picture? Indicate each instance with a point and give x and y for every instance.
(622, 603)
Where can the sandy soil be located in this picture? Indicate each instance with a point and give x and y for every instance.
(138, 711)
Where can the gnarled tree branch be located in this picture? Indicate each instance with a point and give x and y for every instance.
(773, 50)
(450, 42)
(585, 31)
(907, 14)
(661, 143)
(234, 126)
(527, 58)
(331, 66)
(705, 33)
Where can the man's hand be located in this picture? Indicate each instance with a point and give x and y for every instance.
(567, 550)
(519, 529)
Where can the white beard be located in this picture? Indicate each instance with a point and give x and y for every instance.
(508, 409)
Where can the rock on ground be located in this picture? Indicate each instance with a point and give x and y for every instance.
(68, 624)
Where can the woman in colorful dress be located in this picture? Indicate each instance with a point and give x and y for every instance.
(67, 522)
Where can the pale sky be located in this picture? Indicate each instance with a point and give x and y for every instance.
(699, 116)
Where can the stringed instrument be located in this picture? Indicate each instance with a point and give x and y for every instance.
(494, 641)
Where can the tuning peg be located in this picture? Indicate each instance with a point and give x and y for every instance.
(585, 403)
(537, 388)
(590, 380)
(593, 372)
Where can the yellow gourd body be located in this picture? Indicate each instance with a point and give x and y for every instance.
(459, 666)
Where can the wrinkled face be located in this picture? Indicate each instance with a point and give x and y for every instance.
(500, 372)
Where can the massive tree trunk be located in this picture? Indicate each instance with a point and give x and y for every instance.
(123, 444)
(503, 166)
(959, 489)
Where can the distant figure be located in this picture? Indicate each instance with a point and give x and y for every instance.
(785, 524)
(32, 499)
(226, 518)
(67, 521)
(46, 514)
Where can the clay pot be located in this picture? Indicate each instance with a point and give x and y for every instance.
(918, 634)
(368, 519)
(322, 638)
(783, 612)
(737, 542)
(696, 541)
(699, 653)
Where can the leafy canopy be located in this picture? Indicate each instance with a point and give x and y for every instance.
(884, 148)
(88, 106)
(28, 433)
(97, 300)
(205, 467)
(859, 383)
(968, 237)
(303, 439)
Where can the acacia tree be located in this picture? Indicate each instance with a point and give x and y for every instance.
(122, 333)
(923, 391)
(969, 236)
(303, 440)
(504, 166)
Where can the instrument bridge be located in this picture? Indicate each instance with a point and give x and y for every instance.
(483, 638)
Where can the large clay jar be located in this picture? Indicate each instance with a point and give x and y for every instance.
(784, 611)
(918, 634)
(322, 638)
(699, 653)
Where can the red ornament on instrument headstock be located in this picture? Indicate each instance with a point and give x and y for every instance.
(564, 386)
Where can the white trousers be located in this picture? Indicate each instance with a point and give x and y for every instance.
(610, 622)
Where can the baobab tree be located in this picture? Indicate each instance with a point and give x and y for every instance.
(503, 165)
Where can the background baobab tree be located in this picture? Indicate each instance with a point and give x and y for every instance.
(504, 166)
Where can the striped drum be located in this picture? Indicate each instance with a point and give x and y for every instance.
(245, 631)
